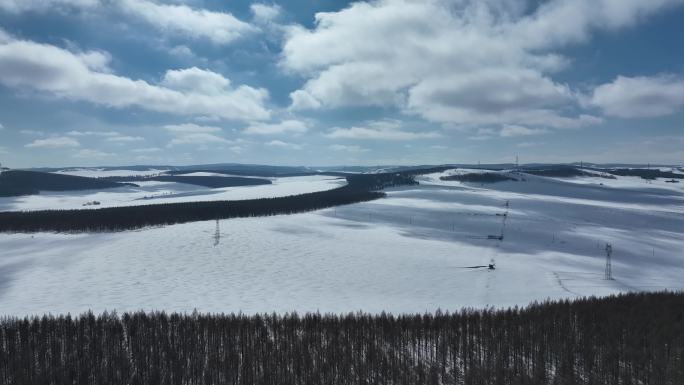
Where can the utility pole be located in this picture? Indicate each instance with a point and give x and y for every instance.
(609, 269)
(217, 234)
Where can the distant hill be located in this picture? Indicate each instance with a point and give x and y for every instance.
(485, 177)
(16, 182)
(204, 181)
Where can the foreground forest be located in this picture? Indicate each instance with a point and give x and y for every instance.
(626, 339)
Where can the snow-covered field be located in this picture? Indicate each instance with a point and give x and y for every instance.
(152, 192)
(409, 252)
(100, 173)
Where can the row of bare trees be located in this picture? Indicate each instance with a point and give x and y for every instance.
(628, 339)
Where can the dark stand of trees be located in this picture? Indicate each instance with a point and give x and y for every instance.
(486, 177)
(135, 217)
(360, 188)
(18, 182)
(645, 173)
(563, 172)
(625, 340)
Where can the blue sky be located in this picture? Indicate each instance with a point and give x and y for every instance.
(120, 82)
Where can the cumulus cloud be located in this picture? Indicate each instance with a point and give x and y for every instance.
(510, 130)
(303, 100)
(454, 62)
(146, 150)
(54, 70)
(640, 97)
(379, 130)
(280, 143)
(347, 148)
(286, 126)
(125, 139)
(265, 13)
(92, 133)
(218, 27)
(54, 142)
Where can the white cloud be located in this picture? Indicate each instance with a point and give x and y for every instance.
(111, 136)
(303, 100)
(265, 13)
(2, 127)
(91, 154)
(348, 148)
(286, 126)
(510, 130)
(182, 51)
(379, 130)
(147, 150)
(637, 97)
(93, 133)
(459, 62)
(54, 142)
(59, 72)
(125, 139)
(195, 80)
(218, 27)
(280, 143)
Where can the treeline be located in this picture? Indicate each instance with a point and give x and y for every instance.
(18, 182)
(564, 172)
(625, 340)
(485, 177)
(135, 217)
(359, 188)
(645, 173)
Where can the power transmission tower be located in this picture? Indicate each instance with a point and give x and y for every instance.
(609, 269)
(217, 234)
(517, 166)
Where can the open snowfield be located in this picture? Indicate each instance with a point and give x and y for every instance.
(100, 173)
(409, 252)
(153, 192)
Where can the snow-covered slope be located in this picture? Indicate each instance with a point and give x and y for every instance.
(99, 172)
(410, 252)
(151, 192)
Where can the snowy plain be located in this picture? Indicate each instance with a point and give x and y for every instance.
(153, 192)
(413, 251)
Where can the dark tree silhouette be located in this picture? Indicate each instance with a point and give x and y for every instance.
(627, 339)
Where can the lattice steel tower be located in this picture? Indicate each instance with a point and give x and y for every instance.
(609, 268)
